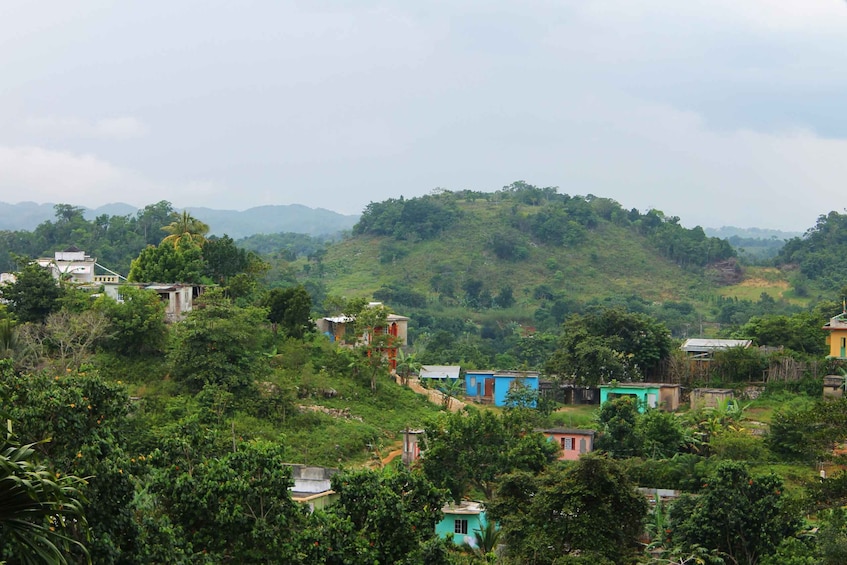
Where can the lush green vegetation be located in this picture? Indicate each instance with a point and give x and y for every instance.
(163, 436)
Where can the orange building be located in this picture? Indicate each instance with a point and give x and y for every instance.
(836, 337)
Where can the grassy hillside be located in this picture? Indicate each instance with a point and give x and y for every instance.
(611, 260)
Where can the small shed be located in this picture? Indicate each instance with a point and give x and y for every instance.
(461, 520)
(709, 397)
(411, 446)
(573, 442)
(649, 395)
(833, 386)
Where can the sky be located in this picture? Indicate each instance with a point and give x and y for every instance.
(721, 112)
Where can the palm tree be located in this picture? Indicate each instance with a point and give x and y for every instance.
(406, 365)
(486, 539)
(37, 508)
(185, 225)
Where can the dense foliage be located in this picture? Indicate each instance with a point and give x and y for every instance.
(184, 431)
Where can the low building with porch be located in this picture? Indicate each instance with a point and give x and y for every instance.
(649, 395)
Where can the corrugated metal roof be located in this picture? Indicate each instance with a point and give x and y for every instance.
(440, 371)
(700, 344)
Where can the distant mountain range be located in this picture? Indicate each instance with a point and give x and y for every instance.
(727, 232)
(259, 220)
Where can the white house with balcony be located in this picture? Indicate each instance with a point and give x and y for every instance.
(73, 265)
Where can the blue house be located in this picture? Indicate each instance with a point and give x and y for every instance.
(491, 387)
(461, 520)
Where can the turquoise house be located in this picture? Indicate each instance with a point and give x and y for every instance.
(461, 520)
(491, 387)
(649, 395)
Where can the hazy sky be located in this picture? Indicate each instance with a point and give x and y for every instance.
(722, 112)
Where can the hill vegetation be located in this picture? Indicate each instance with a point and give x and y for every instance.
(136, 441)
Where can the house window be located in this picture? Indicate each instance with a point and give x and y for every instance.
(460, 527)
(473, 382)
(567, 444)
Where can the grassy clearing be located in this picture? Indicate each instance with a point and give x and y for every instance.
(762, 280)
(583, 416)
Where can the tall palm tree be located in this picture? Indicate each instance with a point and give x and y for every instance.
(38, 510)
(185, 225)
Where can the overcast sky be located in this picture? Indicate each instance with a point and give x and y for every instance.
(722, 112)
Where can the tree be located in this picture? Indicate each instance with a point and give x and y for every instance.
(407, 364)
(395, 512)
(42, 519)
(223, 259)
(609, 344)
(471, 449)
(245, 494)
(185, 227)
(33, 295)
(166, 263)
(66, 339)
(290, 309)
(153, 218)
(84, 417)
(659, 434)
(742, 516)
(220, 343)
(589, 508)
(372, 338)
(617, 421)
(136, 323)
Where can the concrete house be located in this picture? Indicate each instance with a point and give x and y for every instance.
(836, 336)
(573, 442)
(491, 387)
(649, 395)
(178, 298)
(74, 266)
(312, 486)
(340, 328)
(461, 520)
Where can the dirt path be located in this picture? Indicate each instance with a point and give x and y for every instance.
(391, 457)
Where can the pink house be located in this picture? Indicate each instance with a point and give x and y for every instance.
(572, 442)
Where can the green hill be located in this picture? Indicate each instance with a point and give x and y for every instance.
(470, 251)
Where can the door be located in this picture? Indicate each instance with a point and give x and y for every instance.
(652, 400)
(489, 388)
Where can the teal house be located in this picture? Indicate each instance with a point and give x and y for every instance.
(649, 395)
(461, 520)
